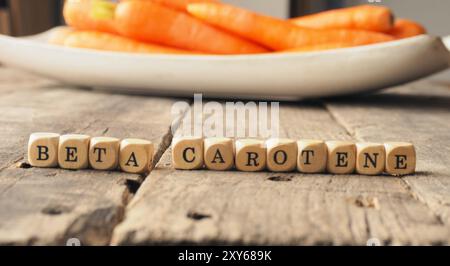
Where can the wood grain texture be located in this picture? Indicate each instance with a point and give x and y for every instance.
(49, 206)
(208, 207)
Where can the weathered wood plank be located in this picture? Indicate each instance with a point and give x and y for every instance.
(198, 207)
(49, 206)
(419, 113)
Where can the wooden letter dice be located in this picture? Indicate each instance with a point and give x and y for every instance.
(312, 156)
(400, 158)
(43, 149)
(73, 151)
(104, 153)
(136, 156)
(370, 158)
(341, 157)
(219, 154)
(187, 153)
(281, 155)
(250, 155)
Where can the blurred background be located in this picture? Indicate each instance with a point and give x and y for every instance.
(24, 17)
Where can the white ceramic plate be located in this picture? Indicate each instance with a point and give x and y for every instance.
(276, 76)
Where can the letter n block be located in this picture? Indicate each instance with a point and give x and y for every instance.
(104, 153)
(136, 156)
(341, 157)
(370, 158)
(400, 158)
(219, 154)
(43, 149)
(312, 156)
(250, 155)
(281, 155)
(73, 151)
(187, 153)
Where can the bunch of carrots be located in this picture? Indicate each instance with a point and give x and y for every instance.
(212, 27)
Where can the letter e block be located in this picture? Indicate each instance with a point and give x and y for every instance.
(136, 156)
(312, 156)
(43, 149)
(250, 155)
(219, 154)
(400, 158)
(370, 158)
(104, 153)
(73, 151)
(187, 153)
(341, 157)
(281, 155)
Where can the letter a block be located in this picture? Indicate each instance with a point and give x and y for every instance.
(219, 154)
(136, 156)
(400, 158)
(187, 153)
(43, 149)
(312, 156)
(73, 151)
(370, 158)
(341, 157)
(281, 155)
(250, 155)
(104, 153)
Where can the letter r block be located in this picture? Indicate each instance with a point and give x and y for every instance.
(43, 149)
(281, 155)
(400, 158)
(136, 156)
(219, 154)
(187, 153)
(73, 151)
(104, 153)
(370, 158)
(250, 155)
(341, 157)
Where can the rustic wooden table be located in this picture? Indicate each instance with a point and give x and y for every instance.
(50, 206)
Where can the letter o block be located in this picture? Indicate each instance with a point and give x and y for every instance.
(312, 156)
(219, 154)
(43, 149)
(370, 158)
(136, 156)
(73, 151)
(250, 155)
(281, 155)
(187, 153)
(341, 157)
(104, 153)
(400, 158)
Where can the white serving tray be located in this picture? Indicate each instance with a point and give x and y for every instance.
(270, 76)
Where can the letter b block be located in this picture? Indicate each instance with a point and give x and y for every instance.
(250, 155)
(400, 158)
(73, 151)
(187, 153)
(136, 156)
(341, 157)
(219, 154)
(370, 158)
(281, 155)
(104, 153)
(43, 149)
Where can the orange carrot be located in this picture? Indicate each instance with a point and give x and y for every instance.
(319, 47)
(276, 33)
(404, 28)
(111, 42)
(181, 4)
(59, 36)
(365, 17)
(80, 15)
(150, 22)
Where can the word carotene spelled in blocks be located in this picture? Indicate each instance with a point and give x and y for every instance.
(76, 151)
(286, 155)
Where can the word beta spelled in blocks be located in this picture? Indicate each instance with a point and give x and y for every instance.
(76, 151)
(286, 155)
